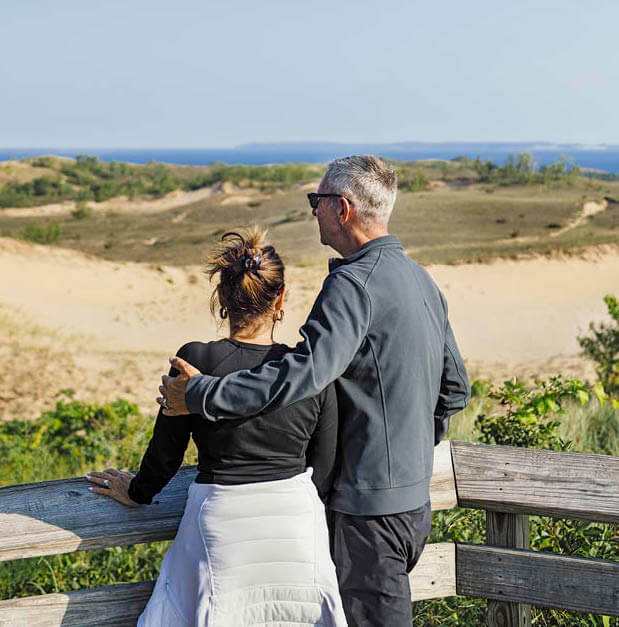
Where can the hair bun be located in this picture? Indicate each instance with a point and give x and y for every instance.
(252, 262)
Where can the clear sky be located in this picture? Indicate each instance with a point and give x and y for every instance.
(198, 73)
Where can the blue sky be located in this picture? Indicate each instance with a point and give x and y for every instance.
(190, 73)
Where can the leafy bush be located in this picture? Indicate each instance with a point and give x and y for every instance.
(528, 418)
(72, 438)
(602, 346)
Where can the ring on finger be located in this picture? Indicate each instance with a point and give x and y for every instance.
(106, 483)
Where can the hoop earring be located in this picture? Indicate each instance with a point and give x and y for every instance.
(278, 315)
(223, 313)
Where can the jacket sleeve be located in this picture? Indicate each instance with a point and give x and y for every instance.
(455, 391)
(322, 448)
(165, 451)
(332, 335)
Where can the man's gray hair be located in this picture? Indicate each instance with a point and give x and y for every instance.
(371, 183)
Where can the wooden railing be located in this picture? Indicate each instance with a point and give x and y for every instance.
(509, 483)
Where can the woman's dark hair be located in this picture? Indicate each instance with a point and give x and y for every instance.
(251, 276)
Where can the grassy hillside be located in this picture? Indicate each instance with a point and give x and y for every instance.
(457, 211)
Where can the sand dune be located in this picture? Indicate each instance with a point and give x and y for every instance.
(105, 329)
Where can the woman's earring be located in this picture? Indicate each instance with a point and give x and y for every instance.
(278, 315)
(223, 313)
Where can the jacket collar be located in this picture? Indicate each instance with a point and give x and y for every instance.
(386, 241)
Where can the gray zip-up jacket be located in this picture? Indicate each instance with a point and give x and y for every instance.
(379, 329)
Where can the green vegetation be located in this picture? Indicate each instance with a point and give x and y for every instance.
(525, 421)
(451, 224)
(445, 212)
(71, 439)
(411, 179)
(521, 170)
(68, 441)
(538, 417)
(602, 346)
(40, 191)
(81, 211)
(76, 437)
(87, 178)
(49, 233)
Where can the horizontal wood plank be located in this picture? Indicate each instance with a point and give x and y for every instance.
(64, 516)
(433, 577)
(533, 481)
(543, 579)
(118, 605)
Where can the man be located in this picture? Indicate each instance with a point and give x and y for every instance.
(379, 329)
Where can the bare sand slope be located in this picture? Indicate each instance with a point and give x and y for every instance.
(105, 329)
(524, 310)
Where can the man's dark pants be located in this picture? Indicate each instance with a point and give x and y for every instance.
(373, 556)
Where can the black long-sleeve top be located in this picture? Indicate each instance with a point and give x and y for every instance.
(270, 446)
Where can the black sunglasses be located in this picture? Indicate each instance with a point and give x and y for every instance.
(314, 199)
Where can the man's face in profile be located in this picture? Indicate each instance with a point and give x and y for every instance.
(326, 214)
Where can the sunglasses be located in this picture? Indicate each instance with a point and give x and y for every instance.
(314, 199)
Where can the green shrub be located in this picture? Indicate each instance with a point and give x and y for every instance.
(602, 346)
(415, 181)
(530, 416)
(42, 233)
(81, 211)
(43, 162)
(73, 437)
(67, 441)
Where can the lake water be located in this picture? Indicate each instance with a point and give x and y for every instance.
(607, 160)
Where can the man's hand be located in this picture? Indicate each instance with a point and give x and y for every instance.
(172, 398)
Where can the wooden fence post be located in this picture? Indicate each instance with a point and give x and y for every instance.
(509, 531)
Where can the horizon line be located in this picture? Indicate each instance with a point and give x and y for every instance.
(317, 143)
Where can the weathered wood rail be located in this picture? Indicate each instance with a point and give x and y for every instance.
(509, 483)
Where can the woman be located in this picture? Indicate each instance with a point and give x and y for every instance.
(252, 546)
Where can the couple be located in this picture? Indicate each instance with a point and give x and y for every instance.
(349, 416)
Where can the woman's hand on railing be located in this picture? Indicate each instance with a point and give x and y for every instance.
(114, 483)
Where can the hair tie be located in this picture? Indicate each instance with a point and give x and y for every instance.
(252, 262)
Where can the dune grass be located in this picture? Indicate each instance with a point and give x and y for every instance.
(446, 225)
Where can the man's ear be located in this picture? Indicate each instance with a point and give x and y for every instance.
(345, 210)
